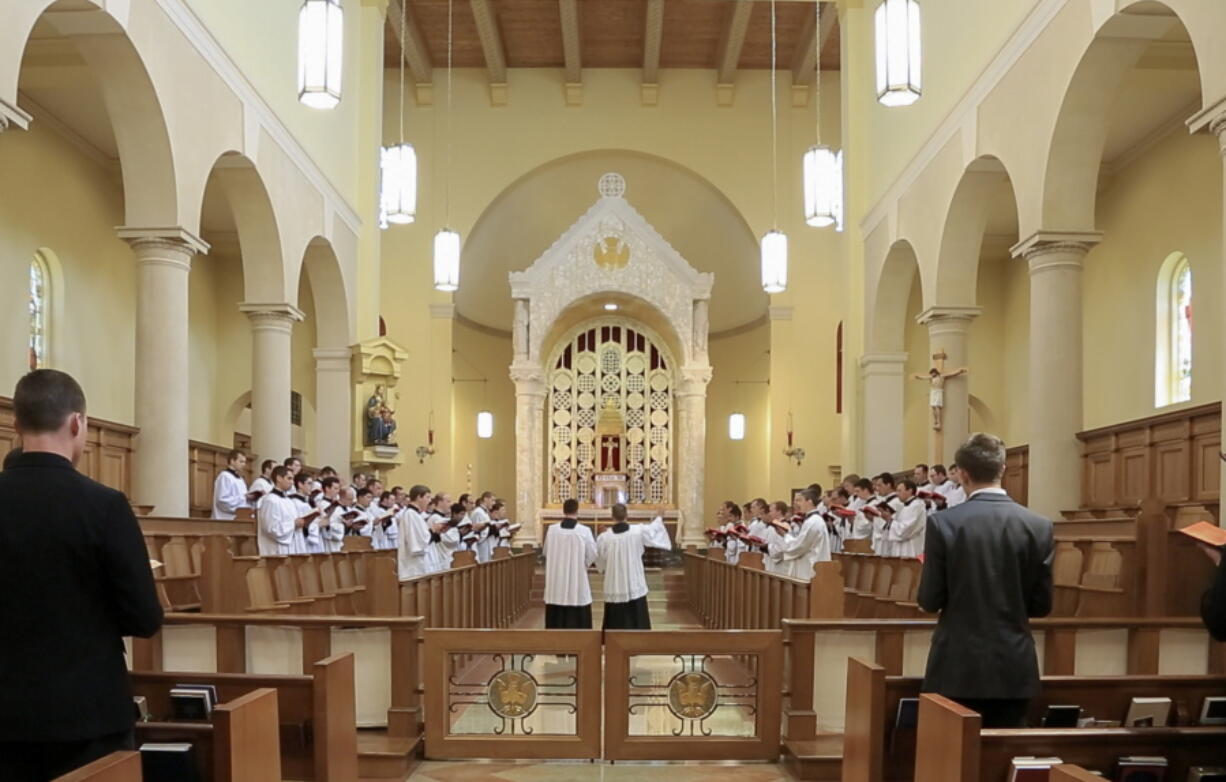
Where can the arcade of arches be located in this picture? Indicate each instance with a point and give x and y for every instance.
(204, 253)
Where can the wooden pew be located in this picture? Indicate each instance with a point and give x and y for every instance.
(727, 596)
(951, 746)
(115, 767)
(313, 722)
(872, 751)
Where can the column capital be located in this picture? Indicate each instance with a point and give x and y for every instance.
(528, 380)
(869, 361)
(948, 316)
(693, 381)
(1211, 118)
(272, 315)
(12, 115)
(1043, 242)
(442, 311)
(166, 245)
(332, 359)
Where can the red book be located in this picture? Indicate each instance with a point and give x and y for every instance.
(846, 513)
(872, 510)
(1206, 533)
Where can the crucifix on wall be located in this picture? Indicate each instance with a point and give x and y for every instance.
(936, 378)
(610, 453)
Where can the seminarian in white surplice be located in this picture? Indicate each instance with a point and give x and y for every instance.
(569, 550)
(619, 555)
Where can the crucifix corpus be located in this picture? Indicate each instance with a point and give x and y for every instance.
(936, 378)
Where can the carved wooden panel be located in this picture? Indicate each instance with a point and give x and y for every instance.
(1172, 456)
(1017, 473)
(108, 448)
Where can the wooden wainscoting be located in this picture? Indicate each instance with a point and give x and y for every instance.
(108, 448)
(205, 461)
(1017, 473)
(1172, 456)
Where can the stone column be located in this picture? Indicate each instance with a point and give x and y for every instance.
(1055, 409)
(948, 328)
(690, 452)
(272, 329)
(333, 408)
(529, 449)
(163, 260)
(1217, 126)
(882, 376)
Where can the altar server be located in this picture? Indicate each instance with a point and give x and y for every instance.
(412, 558)
(263, 484)
(905, 533)
(809, 545)
(619, 555)
(230, 490)
(569, 550)
(277, 519)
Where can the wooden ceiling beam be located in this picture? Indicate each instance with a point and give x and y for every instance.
(804, 61)
(568, 10)
(731, 41)
(413, 50)
(653, 35)
(491, 46)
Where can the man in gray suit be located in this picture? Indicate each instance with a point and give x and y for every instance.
(987, 570)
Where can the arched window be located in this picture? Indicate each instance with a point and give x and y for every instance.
(39, 278)
(1173, 349)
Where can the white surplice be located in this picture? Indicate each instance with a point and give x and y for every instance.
(775, 541)
(568, 553)
(333, 533)
(905, 535)
(619, 555)
(229, 494)
(275, 530)
(802, 549)
(412, 554)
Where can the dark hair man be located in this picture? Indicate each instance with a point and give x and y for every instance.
(230, 488)
(72, 586)
(569, 548)
(987, 570)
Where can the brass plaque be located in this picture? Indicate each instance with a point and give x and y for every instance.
(512, 694)
(691, 695)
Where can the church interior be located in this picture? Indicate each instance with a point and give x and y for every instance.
(661, 253)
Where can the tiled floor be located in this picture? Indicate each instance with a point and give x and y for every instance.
(566, 771)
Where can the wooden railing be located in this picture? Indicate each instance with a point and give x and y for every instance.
(231, 652)
(1066, 647)
(727, 596)
(493, 594)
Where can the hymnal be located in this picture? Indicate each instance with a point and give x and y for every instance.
(193, 702)
(168, 763)
(1148, 713)
(1031, 769)
(1213, 711)
(905, 719)
(1062, 716)
(1141, 769)
(1205, 532)
(140, 707)
(1207, 774)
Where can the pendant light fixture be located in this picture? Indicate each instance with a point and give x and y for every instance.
(398, 165)
(899, 58)
(447, 241)
(822, 166)
(321, 39)
(774, 244)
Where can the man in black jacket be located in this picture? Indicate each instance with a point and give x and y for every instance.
(1213, 603)
(74, 580)
(987, 569)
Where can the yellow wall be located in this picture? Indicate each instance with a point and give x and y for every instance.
(998, 350)
(1170, 199)
(262, 39)
(917, 415)
(481, 465)
(302, 371)
(53, 196)
(219, 344)
(738, 470)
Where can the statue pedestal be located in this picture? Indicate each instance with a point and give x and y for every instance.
(385, 456)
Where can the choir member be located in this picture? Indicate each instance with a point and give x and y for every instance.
(905, 533)
(920, 476)
(862, 494)
(309, 541)
(398, 496)
(277, 519)
(480, 517)
(362, 524)
(809, 545)
(758, 510)
(359, 481)
(732, 519)
(849, 483)
(619, 555)
(333, 532)
(386, 532)
(459, 520)
(230, 490)
(444, 536)
(263, 484)
(956, 494)
(569, 550)
(376, 487)
(293, 464)
(412, 553)
(778, 525)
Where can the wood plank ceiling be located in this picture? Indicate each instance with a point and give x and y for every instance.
(570, 35)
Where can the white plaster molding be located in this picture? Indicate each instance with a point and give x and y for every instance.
(1008, 55)
(442, 311)
(170, 235)
(1207, 116)
(882, 363)
(939, 314)
(272, 313)
(212, 52)
(1041, 242)
(13, 115)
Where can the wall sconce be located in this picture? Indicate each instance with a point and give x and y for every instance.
(425, 451)
(793, 452)
(736, 426)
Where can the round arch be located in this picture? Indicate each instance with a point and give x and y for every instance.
(976, 197)
(236, 198)
(887, 324)
(329, 293)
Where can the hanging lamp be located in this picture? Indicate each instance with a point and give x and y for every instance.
(822, 172)
(447, 241)
(321, 40)
(398, 166)
(899, 72)
(774, 243)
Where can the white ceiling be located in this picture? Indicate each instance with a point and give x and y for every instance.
(687, 211)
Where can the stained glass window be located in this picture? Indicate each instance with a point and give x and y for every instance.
(1181, 333)
(38, 314)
